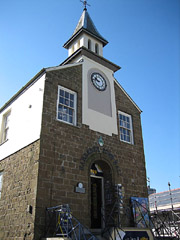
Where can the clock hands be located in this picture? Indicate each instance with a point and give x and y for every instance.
(97, 79)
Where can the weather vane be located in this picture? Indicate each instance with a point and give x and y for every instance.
(85, 4)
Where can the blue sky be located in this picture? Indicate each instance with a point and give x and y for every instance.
(144, 39)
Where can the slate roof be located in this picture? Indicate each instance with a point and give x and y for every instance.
(86, 24)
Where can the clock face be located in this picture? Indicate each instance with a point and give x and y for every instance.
(98, 81)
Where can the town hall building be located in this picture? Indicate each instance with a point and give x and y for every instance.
(71, 135)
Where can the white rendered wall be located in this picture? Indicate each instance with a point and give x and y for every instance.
(25, 119)
(93, 43)
(83, 41)
(95, 120)
(75, 45)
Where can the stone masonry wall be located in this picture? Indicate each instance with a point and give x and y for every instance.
(132, 156)
(18, 191)
(67, 153)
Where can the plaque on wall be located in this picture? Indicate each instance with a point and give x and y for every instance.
(80, 188)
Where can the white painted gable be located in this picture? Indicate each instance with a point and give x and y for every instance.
(24, 120)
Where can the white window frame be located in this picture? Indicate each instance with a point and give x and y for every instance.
(1, 181)
(5, 127)
(130, 129)
(74, 108)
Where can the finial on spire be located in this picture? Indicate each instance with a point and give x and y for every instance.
(85, 4)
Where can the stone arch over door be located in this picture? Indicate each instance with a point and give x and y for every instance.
(101, 190)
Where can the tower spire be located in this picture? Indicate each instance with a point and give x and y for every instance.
(85, 4)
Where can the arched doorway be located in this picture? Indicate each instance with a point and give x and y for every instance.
(101, 192)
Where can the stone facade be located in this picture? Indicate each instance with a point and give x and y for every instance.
(18, 199)
(45, 173)
(67, 153)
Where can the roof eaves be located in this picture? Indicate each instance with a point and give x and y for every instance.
(104, 41)
(71, 57)
(90, 53)
(49, 69)
(100, 38)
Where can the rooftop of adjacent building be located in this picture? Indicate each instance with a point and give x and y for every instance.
(165, 200)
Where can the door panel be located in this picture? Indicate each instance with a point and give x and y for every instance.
(96, 202)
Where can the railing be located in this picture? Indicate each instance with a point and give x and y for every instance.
(115, 218)
(162, 225)
(60, 222)
(166, 224)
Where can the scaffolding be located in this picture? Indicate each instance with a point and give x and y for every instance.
(165, 213)
(61, 223)
(163, 224)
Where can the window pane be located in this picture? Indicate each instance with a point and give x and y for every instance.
(70, 112)
(60, 108)
(6, 121)
(71, 104)
(6, 134)
(72, 97)
(70, 119)
(61, 92)
(61, 100)
(67, 102)
(65, 110)
(66, 95)
(64, 117)
(60, 115)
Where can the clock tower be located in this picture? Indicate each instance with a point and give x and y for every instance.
(98, 105)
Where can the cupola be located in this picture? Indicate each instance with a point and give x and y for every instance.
(86, 35)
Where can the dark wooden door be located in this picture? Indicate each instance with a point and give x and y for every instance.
(96, 202)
